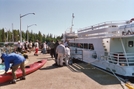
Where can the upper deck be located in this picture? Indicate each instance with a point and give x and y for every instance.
(108, 30)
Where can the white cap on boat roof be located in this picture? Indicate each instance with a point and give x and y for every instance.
(18, 41)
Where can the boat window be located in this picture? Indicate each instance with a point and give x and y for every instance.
(132, 25)
(128, 26)
(85, 45)
(69, 44)
(130, 43)
(80, 45)
(91, 47)
(75, 44)
(122, 27)
(72, 44)
(113, 26)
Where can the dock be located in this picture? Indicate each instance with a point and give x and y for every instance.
(79, 75)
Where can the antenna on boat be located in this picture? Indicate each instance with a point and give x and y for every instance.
(72, 23)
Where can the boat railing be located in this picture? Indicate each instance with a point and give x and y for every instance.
(121, 58)
(7, 50)
(78, 54)
(124, 30)
(103, 25)
(68, 31)
(110, 32)
(69, 34)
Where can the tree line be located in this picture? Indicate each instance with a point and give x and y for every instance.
(14, 36)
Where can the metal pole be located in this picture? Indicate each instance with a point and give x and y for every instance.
(20, 30)
(20, 24)
(27, 33)
(7, 35)
(72, 23)
(12, 34)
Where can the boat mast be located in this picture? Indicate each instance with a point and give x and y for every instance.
(72, 23)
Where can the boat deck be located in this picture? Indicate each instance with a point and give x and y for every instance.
(76, 76)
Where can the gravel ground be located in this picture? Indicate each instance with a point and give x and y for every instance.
(76, 76)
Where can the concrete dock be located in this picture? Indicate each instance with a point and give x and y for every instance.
(76, 76)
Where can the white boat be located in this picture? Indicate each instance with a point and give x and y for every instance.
(108, 45)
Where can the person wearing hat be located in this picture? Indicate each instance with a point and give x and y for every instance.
(17, 61)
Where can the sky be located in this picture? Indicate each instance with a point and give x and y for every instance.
(55, 16)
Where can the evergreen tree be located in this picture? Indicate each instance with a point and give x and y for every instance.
(40, 36)
(3, 37)
(15, 36)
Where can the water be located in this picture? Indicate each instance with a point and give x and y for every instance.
(2, 66)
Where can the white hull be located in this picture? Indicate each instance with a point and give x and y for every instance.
(107, 46)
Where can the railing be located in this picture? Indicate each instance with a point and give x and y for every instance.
(71, 35)
(107, 30)
(103, 25)
(121, 59)
(7, 50)
(109, 33)
(78, 54)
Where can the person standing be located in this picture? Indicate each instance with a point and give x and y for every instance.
(26, 46)
(36, 48)
(33, 46)
(19, 47)
(30, 46)
(60, 50)
(67, 54)
(52, 52)
(17, 61)
(66, 42)
(56, 55)
(44, 47)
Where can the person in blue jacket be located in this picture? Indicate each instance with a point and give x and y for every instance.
(16, 60)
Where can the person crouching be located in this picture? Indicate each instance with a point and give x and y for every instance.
(17, 61)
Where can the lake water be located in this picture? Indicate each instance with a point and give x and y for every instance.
(2, 66)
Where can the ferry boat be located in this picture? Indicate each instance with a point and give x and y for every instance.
(107, 45)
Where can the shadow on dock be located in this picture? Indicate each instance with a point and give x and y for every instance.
(94, 73)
